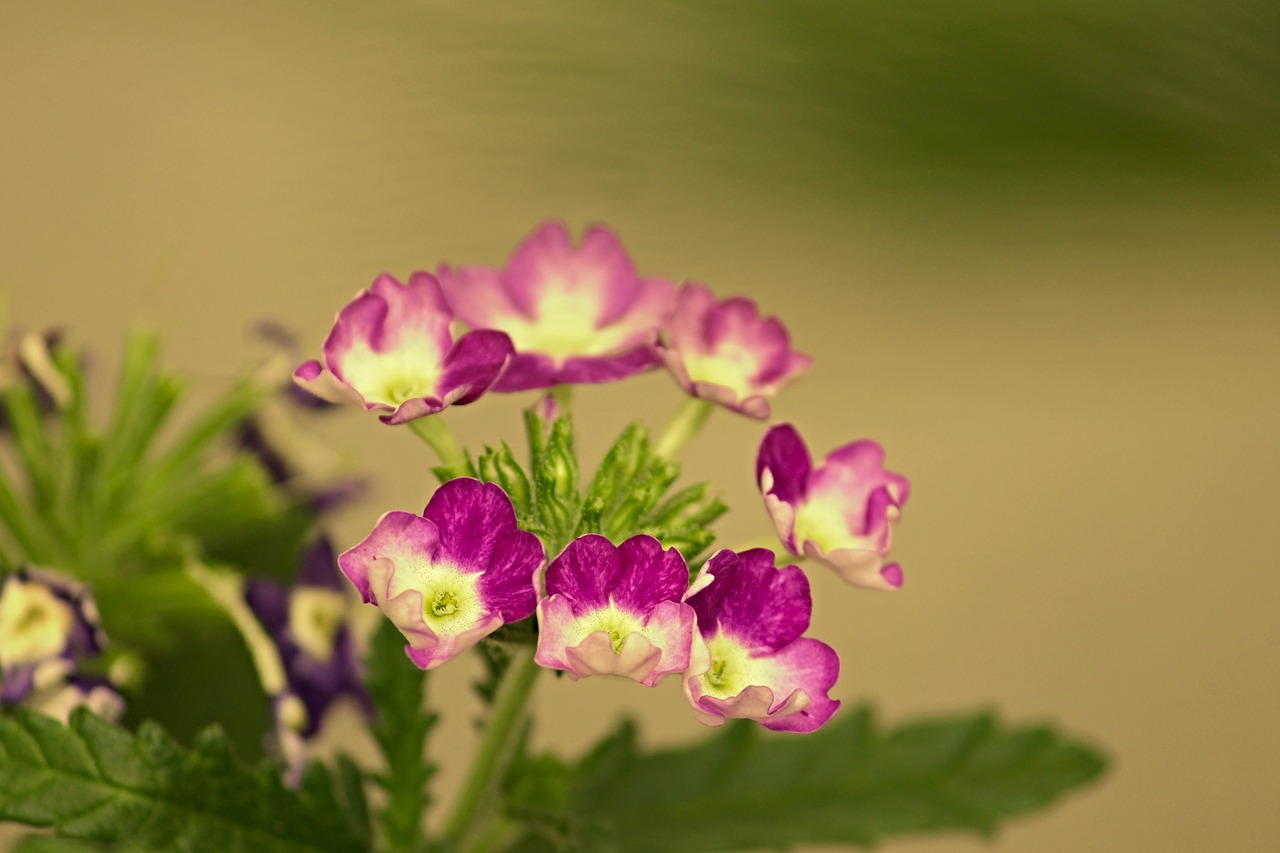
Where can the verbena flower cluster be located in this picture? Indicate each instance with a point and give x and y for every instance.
(732, 630)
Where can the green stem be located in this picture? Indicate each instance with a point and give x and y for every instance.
(563, 395)
(434, 431)
(684, 425)
(500, 735)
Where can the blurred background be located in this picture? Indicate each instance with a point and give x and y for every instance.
(1035, 250)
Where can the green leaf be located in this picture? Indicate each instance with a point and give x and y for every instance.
(850, 783)
(31, 440)
(351, 780)
(53, 844)
(94, 781)
(400, 727)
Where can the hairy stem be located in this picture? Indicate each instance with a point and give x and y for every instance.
(434, 431)
(500, 736)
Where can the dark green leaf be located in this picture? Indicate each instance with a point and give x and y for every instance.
(351, 779)
(97, 782)
(850, 783)
(400, 727)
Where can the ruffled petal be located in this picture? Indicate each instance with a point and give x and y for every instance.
(471, 517)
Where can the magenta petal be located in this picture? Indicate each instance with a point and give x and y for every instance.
(472, 517)
(529, 370)
(582, 370)
(395, 533)
(892, 575)
(725, 352)
(476, 295)
(598, 269)
(763, 607)
(574, 314)
(419, 306)
(813, 667)
(784, 455)
(314, 379)
(418, 407)
(508, 584)
(474, 364)
(585, 572)
(649, 575)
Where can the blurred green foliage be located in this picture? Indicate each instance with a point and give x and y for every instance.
(838, 95)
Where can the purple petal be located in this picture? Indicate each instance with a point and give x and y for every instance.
(471, 516)
(474, 364)
(529, 370)
(784, 455)
(443, 649)
(416, 407)
(314, 379)
(857, 469)
(396, 535)
(892, 575)
(417, 308)
(585, 572)
(17, 683)
(582, 370)
(813, 667)
(269, 601)
(649, 575)
(319, 566)
(863, 567)
(508, 584)
(598, 271)
(763, 607)
(477, 296)
(575, 640)
(359, 323)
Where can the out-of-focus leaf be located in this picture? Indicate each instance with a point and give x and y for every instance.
(92, 780)
(401, 725)
(850, 783)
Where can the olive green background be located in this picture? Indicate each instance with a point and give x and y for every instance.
(1034, 249)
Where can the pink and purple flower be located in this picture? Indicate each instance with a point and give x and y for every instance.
(392, 349)
(749, 659)
(842, 513)
(616, 610)
(575, 314)
(725, 352)
(309, 625)
(451, 576)
(49, 628)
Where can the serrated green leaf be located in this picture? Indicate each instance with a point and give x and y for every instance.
(94, 781)
(850, 783)
(400, 728)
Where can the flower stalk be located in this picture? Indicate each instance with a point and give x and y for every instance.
(684, 425)
(496, 747)
(435, 432)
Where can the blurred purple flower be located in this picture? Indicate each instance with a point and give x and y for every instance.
(309, 625)
(841, 513)
(727, 353)
(49, 627)
(575, 314)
